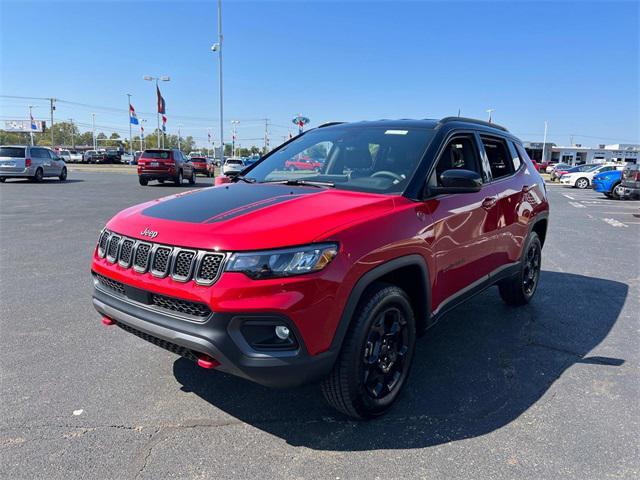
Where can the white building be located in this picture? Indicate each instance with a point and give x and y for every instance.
(577, 154)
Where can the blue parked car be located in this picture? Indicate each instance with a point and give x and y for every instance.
(608, 183)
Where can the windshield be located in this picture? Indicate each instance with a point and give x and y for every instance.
(233, 162)
(369, 159)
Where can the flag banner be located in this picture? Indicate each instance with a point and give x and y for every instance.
(161, 104)
(164, 123)
(141, 132)
(133, 118)
(34, 125)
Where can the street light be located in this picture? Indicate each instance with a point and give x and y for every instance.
(163, 78)
(93, 129)
(490, 111)
(179, 125)
(217, 47)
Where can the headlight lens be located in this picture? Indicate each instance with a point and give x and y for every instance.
(283, 263)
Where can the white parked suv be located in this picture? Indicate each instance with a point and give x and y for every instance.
(584, 179)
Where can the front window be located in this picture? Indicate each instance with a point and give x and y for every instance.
(369, 159)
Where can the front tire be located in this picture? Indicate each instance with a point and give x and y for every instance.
(582, 183)
(521, 287)
(376, 354)
(617, 192)
(192, 179)
(178, 179)
(63, 175)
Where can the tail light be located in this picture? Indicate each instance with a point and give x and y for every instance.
(27, 162)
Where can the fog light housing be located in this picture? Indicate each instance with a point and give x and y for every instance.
(268, 334)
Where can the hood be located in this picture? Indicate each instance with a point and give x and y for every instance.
(242, 216)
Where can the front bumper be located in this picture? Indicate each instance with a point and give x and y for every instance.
(630, 192)
(220, 337)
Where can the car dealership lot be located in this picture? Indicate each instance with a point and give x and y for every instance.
(545, 391)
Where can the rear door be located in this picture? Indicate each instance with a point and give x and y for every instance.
(464, 224)
(12, 159)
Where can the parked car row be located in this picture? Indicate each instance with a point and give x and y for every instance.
(620, 183)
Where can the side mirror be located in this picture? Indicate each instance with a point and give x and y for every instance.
(458, 181)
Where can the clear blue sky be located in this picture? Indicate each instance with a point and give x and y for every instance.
(574, 64)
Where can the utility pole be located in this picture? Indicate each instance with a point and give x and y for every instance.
(544, 140)
(52, 107)
(571, 140)
(179, 136)
(220, 77)
(73, 138)
(93, 126)
(130, 136)
(266, 135)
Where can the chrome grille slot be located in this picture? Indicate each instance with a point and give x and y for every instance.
(209, 267)
(161, 261)
(102, 243)
(183, 265)
(126, 252)
(141, 258)
(113, 248)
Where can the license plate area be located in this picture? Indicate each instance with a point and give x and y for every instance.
(154, 164)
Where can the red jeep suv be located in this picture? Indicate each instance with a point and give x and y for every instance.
(165, 164)
(283, 279)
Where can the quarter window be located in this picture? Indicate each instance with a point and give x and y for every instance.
(498, 155)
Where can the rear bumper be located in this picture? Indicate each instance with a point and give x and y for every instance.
(220, 337)
(19, 173)
(157, 174)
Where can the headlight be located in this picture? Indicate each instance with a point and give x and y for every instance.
(283, 263)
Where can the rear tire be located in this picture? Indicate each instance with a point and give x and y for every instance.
(520, 288)
(143, 181)
(192, 178)
(582, 183)
(376, 354)
(38, 176)
(63, 175)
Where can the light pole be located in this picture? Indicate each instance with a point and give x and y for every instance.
(217, 47)
(93, 129)
(544, 140)
(233, 138)
(163, 78)
(73, 138)
(490, 111)
(179, 125)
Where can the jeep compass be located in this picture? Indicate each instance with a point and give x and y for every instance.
(288, 277)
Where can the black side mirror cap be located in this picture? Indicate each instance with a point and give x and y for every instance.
(458, 181)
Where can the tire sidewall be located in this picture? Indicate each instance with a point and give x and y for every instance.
(365, 405)
(63, 175)
(533, 238)
(580, 180)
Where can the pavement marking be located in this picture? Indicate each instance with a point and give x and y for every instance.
(577, 205)
(568, 196)
(614, 223)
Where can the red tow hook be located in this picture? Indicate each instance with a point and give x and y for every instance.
(205, 361)
(108, 321)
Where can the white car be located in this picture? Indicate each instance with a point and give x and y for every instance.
(584, 179)
(65, 155)
(232, 166)
(126, 158)
(76, 156)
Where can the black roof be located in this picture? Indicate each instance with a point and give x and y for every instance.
(424, 123)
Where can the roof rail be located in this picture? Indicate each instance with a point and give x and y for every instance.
(328, 124)
(472, 120)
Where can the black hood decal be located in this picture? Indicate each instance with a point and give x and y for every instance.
(223, 203)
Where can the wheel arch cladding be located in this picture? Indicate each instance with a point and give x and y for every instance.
(408, 272)
(540, 227)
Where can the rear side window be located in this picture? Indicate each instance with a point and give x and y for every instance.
(12, 152)
(158, 154)
(500, 160)
(39, 153)
(521, 158)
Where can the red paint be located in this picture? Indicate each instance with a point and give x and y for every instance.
(221, 180)
(108, 321)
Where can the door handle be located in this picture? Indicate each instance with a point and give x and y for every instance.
(489, 202)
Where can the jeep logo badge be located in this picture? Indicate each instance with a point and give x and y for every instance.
(149, 233)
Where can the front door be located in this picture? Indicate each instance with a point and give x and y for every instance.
(464, 226)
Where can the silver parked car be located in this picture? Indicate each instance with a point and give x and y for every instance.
(34, 163)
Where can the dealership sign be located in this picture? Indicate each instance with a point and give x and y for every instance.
(24, 126)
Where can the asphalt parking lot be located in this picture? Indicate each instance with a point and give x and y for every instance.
(546, 391)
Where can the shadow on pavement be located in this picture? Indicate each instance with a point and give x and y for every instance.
(45, 181)
(477, 370)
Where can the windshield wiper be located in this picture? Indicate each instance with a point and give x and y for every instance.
(305, 183)
(244, 179)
